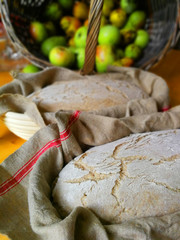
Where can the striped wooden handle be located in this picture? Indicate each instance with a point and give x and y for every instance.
(94, 22)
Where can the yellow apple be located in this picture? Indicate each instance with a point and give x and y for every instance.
(70, 25)
(80, 10)
(118, 17)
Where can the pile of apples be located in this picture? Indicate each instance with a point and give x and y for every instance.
(62, 35)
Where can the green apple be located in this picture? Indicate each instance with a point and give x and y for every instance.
(109, 35)
(127, 62)
(52, 42)
(80, 37)
(128, 6)
(104, 21)
(107, 7)
(30, 68)
(118, 17)
(104, 56)
(123, 62)
(66, 4)
(117, 63)
(50, 28)
(62, 57)
(136, 20)
(133, 51)
(38, 31)
(128, 26)
(53, 11)
(142, 38)
(119, 53)
(73, 49)
(127, 36)
(80, 57)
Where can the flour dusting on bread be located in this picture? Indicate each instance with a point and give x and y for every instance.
(137, 176)
(86, 95)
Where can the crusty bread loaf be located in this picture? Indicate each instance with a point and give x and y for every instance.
(86, 95)
(137, 176)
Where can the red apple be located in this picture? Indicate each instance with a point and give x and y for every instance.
(62, 57)
(38, 31)
(104, 56)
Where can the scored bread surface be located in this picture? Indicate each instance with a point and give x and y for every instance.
(137, 176)
(86, 95)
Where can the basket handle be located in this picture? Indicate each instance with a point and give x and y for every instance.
(94, 21)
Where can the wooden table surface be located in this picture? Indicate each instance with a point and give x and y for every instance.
(168, 68)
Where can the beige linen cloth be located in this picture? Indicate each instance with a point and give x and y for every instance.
(27, 177)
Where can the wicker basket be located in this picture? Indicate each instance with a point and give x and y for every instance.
(161, 24)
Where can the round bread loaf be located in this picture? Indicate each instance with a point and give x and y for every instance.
(86, 95)
(137, 176)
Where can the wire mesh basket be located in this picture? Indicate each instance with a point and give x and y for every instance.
(161, 24)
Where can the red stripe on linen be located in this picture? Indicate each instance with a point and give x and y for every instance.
(25, 169)
(165, 109)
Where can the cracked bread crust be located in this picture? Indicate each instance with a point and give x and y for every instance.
(86, 95)
(137, 176)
